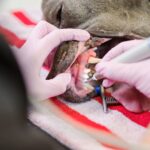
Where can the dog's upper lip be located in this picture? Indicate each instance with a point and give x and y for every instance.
(115, 35)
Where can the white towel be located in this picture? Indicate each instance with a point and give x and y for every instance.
(126, 127)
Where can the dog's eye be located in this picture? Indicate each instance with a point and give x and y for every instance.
(59, 15)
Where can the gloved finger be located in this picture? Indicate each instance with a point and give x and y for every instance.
(62, 35)
(107, 83)
(120, 48)
(42, 29)
(118, 72)
(52, 40)
(55, 86)
(131, 98)
(129, 101)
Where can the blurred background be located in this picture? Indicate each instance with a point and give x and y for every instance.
(9, 5)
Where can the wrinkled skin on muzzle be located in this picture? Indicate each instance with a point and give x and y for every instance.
(100, 17)
(118, 20)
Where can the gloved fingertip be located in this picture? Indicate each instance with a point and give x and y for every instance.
(107, 83)
(82, 35)
(106, 59)
(99, 67)
(42, 29)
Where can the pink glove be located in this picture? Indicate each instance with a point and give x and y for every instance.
(133, 90)
(43, 39)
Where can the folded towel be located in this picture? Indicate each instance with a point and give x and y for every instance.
(88, 127)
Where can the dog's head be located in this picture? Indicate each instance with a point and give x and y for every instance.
(108, 21)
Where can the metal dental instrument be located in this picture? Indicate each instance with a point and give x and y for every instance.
(106, 100)
(138, 53)
(105, 109)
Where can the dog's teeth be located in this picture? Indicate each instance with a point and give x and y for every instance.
(85, 76)
(95, 49)
(85, 80)
(93, 60)
(88, 86)
(87, 71)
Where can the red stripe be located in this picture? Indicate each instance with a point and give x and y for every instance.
(11, 37)
(82, 119)
(112, 147)
(23, 18)
(77, 116)
(142, 119)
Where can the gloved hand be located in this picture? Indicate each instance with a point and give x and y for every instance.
(43, 39)
(132, 87)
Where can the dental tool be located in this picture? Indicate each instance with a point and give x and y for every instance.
(135, 54)
(101, 93)
(106, 100)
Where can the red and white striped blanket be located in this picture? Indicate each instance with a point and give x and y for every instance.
(128, 129)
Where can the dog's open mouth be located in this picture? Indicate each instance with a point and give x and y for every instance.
(80, 58)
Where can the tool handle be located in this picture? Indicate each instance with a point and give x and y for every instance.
(138, 53)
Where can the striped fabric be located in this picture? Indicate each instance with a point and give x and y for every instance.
(88, 128)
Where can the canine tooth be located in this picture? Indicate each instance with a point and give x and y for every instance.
(85, 76)
(93, 60)
(95, 49)
(88, 86)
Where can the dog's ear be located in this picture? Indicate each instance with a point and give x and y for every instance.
(16, 131)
